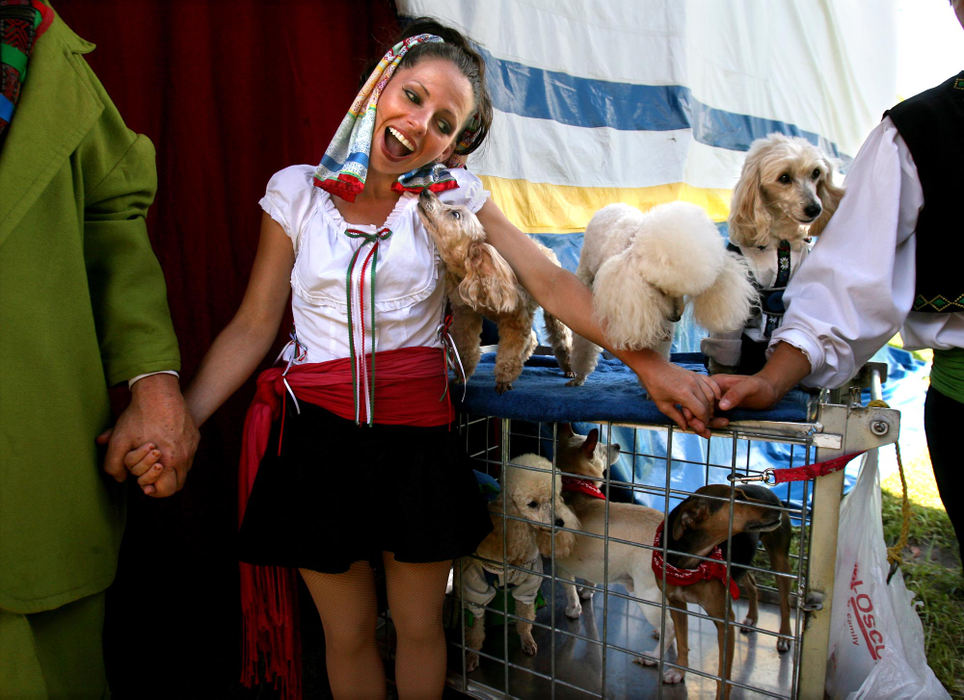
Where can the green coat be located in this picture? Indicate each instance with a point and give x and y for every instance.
(82, 306)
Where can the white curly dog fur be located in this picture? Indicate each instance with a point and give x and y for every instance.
(785, 193)
(644, 268)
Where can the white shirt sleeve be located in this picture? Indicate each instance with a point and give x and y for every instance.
(854, 291)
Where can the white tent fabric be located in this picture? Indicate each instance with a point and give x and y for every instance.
(646, 101)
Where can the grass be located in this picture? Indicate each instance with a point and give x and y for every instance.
(931, 567)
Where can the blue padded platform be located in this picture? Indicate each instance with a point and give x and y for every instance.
(611, 393)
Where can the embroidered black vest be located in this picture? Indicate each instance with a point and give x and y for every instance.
(932, 126)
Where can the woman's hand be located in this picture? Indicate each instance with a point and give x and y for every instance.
(686, 397)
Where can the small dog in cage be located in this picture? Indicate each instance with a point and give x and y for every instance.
(784, 197)
(510, 557)
(643, 268)
(696, 529)
(593, 559)
(583, 459)
(479, 282)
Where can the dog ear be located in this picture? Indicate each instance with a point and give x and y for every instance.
(692, 513)
(592, 439)
(830, 196)
(566, 429)
(518, 541)
(740, 495)
(565, 541)
(489, 281)
(629, 308)
(749, 221)
(728, 302)
(491, 546)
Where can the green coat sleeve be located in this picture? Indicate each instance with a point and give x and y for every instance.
(127, 288)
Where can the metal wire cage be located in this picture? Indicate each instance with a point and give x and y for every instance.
(622, 644)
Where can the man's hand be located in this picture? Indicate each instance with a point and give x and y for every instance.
(747, 391)
(785, 368)
(154, 438)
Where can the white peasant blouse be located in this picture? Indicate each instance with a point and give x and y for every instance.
(332, 309)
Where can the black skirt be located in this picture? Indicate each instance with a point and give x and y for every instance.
(339, 493)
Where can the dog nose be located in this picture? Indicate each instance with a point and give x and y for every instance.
(812, 210)
(560, 522)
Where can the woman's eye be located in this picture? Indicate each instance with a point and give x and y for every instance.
(412, 96)
(444, 127)
(785, 179)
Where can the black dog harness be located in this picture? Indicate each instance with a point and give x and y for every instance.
(771, 298)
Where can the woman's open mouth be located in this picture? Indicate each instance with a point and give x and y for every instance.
(396, 144)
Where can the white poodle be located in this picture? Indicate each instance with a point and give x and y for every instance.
(523, 517)
(784, 197)
(643, 268)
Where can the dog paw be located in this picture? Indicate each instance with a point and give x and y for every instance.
(646, 660)
(783, 645)
(471, 661)
(502, 387)
(585, 593)
(529, 647)
(574, 611)
(576, 381)
(672, 675)
(747, 625)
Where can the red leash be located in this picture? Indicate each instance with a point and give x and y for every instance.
(810, 471)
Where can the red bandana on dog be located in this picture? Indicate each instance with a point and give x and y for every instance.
(706, 571)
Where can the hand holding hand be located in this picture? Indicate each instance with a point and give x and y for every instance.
(685, 397)
(783, 370)
(155, 437)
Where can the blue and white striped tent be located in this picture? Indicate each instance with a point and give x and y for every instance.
(649, 101)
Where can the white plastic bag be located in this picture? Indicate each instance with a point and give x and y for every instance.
(876, 638)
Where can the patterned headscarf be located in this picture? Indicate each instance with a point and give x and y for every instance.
(21, 23)
(343, 168)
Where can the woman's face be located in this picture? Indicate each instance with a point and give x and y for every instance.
(420, 112)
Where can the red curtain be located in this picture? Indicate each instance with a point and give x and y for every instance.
(229, 92)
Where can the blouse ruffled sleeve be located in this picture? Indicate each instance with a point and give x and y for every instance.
(288, 197)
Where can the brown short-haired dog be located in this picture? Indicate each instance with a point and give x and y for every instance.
(694, 529)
